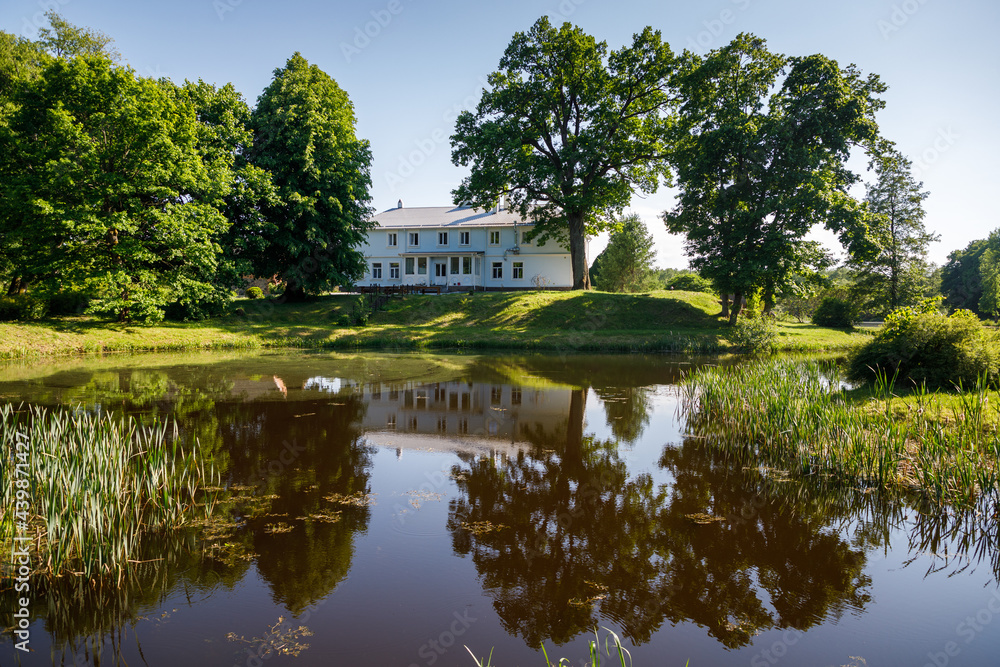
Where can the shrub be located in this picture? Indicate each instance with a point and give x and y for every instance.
(22, 307)
(361, 312)
(835, 313)
(753, 335)
(255, 292)
(690, 282)
(922, 346)
(197, 302)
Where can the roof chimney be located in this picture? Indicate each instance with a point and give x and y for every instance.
(399, 204)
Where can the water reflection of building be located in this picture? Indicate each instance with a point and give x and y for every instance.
(456, 413)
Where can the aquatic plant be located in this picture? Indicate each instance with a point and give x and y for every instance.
(799, 417)
(85, 489)
(612, 646)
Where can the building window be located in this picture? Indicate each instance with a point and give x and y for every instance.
(466, 266)
(518, 271)
(495, 238)
(454, 266)
(463, 238)
(422, 266)
(442, 238)
(414, 239)
(390, 422)
(515, 396)
(377, 271)
(463, 426)
(442, 424)
(524, 238)
(440, 269)
(394, 270)
(409, 266)
(497, 270)
(496, 395)
(412, 423)
(391, 239)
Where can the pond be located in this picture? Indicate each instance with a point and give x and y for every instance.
(391, 509)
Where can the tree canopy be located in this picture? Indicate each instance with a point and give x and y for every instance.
(961, 282)
(626, 265)
(895, 277)
(98, 193)
(567, 131)
(989, 276)
(148, 198)
(64, 40)
(304, 136)
(761, 146)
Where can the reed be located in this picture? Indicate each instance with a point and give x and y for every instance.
(94, 486)
(612, 649)
(801, 418)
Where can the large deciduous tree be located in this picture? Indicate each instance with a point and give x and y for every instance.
(305, 137)
(236, 187)
(98, 169)
(761, 145)
(21, 62)
(894, 277)
(567, 130)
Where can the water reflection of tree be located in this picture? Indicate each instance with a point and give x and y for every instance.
(582, 539)
(299, 452)
(627, 410)
(296, 454)
(92, 616)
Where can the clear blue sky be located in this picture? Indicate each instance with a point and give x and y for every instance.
(410, 65)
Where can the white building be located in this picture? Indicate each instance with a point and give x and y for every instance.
(460, 248)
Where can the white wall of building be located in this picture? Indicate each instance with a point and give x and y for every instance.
(494, 257)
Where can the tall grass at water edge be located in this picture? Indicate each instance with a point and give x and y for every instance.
(613, 649)
(95, 485)
(800, 419)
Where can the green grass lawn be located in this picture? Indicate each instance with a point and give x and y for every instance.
(593, 321)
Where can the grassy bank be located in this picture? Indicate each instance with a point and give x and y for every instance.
(559, 321)
(798, 420)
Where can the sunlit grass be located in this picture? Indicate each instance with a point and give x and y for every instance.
(685, 322)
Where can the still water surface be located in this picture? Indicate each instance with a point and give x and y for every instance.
(497, 502)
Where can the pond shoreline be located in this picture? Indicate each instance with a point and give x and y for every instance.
(544, 322)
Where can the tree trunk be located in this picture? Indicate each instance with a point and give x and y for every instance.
(578, 250)
(725, 305)
(768, 302)
(293, 292)
(16, 286)
(734, 313)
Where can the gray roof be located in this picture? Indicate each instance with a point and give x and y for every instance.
(445, 216)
